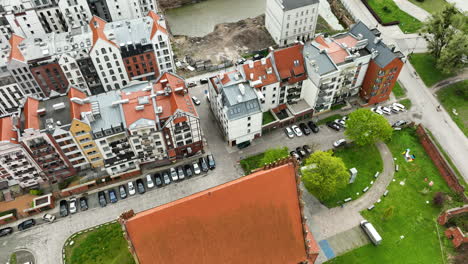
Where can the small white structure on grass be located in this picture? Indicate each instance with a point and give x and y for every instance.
(353, 172)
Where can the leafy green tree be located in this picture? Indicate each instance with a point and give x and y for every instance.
(324, 174)
(453, 57)
(440, 29)
(274, 154)
(365, 127)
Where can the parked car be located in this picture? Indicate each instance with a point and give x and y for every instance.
(48, 218)
(140, 186)
(180, 173)
(341, 122)
(149, 181)
(83, 203)
(196, 168)
(395, 109)
(6, 231)
(399, 123)
(195, 100)
(305, 129)
(296, 130)
(243, 145)
(63, 208)
(301, 152)
(203, 81)
(72, 205)
(307, 149)
(399, 106)
(191, 84)
(166, 178)
(211, 162)
(289, 132)
(295, 155)
(377, 110)
(333, 126)
(313, 126)
(386, 110)
(102, 199)
(112, 196)
(123, 192)
(203, 164)
(174, 176)
(157, 179)
(131, 188)
(188, 170)
(339, 143)
(26, 224)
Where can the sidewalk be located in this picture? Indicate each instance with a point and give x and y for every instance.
(412, 9)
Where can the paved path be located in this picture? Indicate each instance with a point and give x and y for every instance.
(412, 9)
(460, 77)
(462, 5)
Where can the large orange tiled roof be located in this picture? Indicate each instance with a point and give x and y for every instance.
(156, 25)
(6, 130)
(129, 109)
(260, 71)
(15, 52)
(254, 219)
(284, 61)
(31, 118)
(75, 108)
(97, 26)
(336, 52)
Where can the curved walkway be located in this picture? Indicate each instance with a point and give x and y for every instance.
(326, 223)
(460, 77)
(412, 9)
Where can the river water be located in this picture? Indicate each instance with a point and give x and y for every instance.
(199, 19)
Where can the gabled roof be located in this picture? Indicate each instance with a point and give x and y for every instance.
(31, 118)
(97, 26)
(137, 99)
(260, 71)
(6, 130)
(75, 108)
(156, 25)
(15, 52)
(253, 219)
(289, 62)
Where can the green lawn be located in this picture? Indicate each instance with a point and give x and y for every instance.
(389, 11)
(338, 106)
(367, 161)
(455, 96)
(413, 217)
(105, 245)
(425, 65)
(406, 102)
(250, 163)
(398, 91)
(267, 118)
(328, 119)
(431, 6)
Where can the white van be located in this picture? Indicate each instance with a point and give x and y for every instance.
(371, 232)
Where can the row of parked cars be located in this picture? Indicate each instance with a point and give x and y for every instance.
(338, 124)
(26, 224)
(301, 152)
(302, 129)
(394, 108)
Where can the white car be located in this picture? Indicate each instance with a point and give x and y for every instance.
(296, 130)
(149, 181)
(174, 175)
(72, 205)
(399, 105)
(131, 188)
(339, 142)
(377, 111)
(386, 110)
(48, 218)
(196, 168)
(289, 132)
(195, 100)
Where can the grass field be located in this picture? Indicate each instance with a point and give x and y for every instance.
(328, 119)
(431, 6)
(398, 91)
(425, 65)
(105, 245)
(414, 215)
(389, 11)
(455, 96)
(267, 118)
(367, 161)
(407, 103)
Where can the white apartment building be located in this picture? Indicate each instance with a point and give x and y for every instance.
(130, 9)
(75, 12)
(291, 20)
(73, 72)
(11, 96)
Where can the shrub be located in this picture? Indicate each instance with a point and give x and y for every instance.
(439, 199)
(386, 9)
(35, 192)
(388, 213)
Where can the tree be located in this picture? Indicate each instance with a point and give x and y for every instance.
(440, 29)
(365, 127)
(323, 174)
(453, 57)
(274, 154)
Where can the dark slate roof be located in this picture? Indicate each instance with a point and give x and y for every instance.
(385, 55)
(322, 60)
(293, 4)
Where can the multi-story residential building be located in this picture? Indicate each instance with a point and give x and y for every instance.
(15, 162)
(75, 12)
(291, 20)
(11, 95)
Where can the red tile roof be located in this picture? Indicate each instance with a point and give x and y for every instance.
(156, 25)
(31, 119)
(129, 109)
(15, 52)
(336, 52)
(97, 26)
(285, 63)
(260, 71)
(254, 219)
(6, 130)
(75, 108)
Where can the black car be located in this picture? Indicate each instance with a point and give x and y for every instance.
(313, 126)
(305, 129)
(158, 180)
(102, 199)
(27, 224)
(188, 170)
(123, 192)
(140, 186)
(295, 155)
(112, 196)
(211, 162)
(166, 178)
(6, 231)
(83, 203)
(307, 149)
(203, 81)
(63, 208)
(243, 145)
(203, 164)
(334, 126)
(301, 152)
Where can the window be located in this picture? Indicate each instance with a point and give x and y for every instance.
(248, 118)
(103, 51)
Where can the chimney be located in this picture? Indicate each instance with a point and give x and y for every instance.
(251, 76)
(263, 61)
(377, 40)
(251, 64)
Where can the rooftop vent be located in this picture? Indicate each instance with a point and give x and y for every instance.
(377, 40)
(159, 110)
(58, 106)
(251, 64)
(263, 60)
(140, 107)
(251, 76)
(269, 70)
(142, 100)
(41, 111)
(241, 88)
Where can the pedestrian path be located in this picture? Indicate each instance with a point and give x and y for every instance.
(412, 9)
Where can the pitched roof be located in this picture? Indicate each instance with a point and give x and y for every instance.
(97, 26)
(289, 62)
(253, 219)
(6, 130)
(15, 52)
(75, 108)
(293, 4)
(156, 25)
(31, 118)
(137, 98)
(260, 71)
